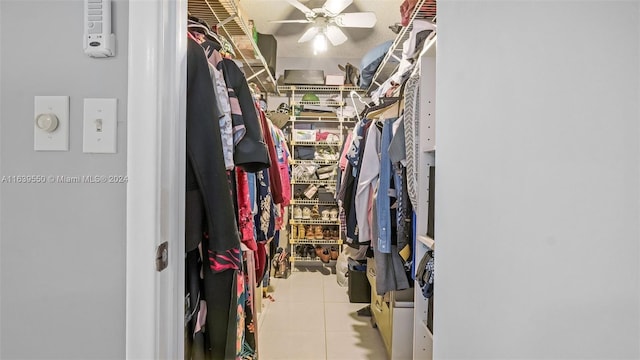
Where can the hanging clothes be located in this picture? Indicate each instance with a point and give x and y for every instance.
(245, 214)
(397, 155)
(195, 307)
(367, 181)
(229, 140)
(274, 171)
(282, 155)
(251, 151)
(246, 345)
(213, 229)
(239, 130)
(264, 220)
(384, 189)
(411, 132)
(205, 163)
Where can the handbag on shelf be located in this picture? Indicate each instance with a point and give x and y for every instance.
(304, 152)
(326, 172)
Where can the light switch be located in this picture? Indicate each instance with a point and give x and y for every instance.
(100, 129)
(51, 123)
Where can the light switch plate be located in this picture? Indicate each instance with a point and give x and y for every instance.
(100, 126)
(58, 139)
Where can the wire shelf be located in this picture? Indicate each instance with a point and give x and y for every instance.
(313, 202)
(424, 10)
(314, 182)
(320, 88)
(315, 143)
(312, 162)
(313, 222)
(309, 259)
(323, 119)
(226, 15)
(319, 103)
(315, 241)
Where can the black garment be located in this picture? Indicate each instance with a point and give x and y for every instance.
(219, 291)
(251, 152)
(405, 233)
(205, 164)
(194, 224)
(193, 348)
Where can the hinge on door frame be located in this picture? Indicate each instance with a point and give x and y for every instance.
(162, 256)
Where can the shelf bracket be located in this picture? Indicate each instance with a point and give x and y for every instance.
(256, 74)
(231, 17)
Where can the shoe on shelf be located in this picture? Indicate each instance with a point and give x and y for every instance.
(311, 251)
(334, 253)
(297, 212)
(306, 213)
(314, 212)
(326, 234)
(318, 232)
(294, 232)
(301, 231)
(334, 214)
(310, 233)
(325, 257)
(330, 235)
(335, 234)
(326, 215)
(319, 249)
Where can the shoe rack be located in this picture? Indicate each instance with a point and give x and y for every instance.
(314, 235)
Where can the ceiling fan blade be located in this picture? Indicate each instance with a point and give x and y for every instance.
(289, 21)
(309, 34)
(301, 7)
(336, 6)
(358, 20)
(335, 35)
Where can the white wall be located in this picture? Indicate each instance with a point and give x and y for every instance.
(62, 246)
(537, 202)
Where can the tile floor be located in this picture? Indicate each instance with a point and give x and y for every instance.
(311, 318)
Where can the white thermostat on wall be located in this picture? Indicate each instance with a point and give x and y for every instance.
(98, 39)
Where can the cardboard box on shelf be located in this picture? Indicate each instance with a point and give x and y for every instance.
(334, 80)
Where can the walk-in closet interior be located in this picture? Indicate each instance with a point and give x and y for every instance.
(266, 179)
(328, 151)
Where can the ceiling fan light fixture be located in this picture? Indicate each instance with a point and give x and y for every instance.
(319, 43)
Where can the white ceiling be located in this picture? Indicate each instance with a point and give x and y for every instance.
(359, 40)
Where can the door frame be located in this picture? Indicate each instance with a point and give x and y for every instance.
(156, 158)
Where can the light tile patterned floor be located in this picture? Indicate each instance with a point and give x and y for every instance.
(311, 318)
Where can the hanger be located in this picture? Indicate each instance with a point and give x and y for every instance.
(389, 110)
(201, 26)
(392, 111)
(354, 93)
(351, 94)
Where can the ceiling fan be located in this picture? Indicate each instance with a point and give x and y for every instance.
(328, 20)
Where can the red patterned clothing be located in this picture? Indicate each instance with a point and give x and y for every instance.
(245, 216)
